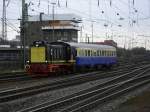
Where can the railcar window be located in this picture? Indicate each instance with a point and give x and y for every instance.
(80, 52)
(97, 52)
(100, 53)
(107, 53)
(89, 53)
(86, 53)
(83, 52)
(104, 53)
(113, 53)
(94, 53)
(110, 53)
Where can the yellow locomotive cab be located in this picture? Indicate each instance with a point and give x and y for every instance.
(38, 54)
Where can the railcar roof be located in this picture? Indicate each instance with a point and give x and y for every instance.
(90, 46)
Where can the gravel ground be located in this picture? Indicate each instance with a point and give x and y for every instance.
(47, 96)
(140, 103)
(5, 85)
(26, 83)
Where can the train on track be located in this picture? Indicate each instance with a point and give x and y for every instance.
(64, 57)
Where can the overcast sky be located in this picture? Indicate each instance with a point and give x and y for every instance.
(132, 30)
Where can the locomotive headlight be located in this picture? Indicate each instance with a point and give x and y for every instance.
(46, 61)
(28, 61)
(37, 45)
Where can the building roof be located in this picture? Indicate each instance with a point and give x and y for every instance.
(46, 17)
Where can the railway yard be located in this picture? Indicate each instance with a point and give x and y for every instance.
(75, 56)
(94, 91)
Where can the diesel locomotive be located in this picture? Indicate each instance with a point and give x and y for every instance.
(63, 57)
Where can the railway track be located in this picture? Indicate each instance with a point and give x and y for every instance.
(6, 77)
(100, 94)
(9, 95)
(20, 76)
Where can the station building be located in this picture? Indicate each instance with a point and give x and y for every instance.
(51, 28)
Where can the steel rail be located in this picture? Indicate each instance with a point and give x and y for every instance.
(110, 91)
(109, 97)
(58, 102)
(13, 76)
(57, 84)
(12, 94)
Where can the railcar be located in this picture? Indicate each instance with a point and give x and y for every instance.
(63, 57)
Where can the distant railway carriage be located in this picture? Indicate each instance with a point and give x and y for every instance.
(58, 57)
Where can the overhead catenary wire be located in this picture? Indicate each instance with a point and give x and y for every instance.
(111, 6)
